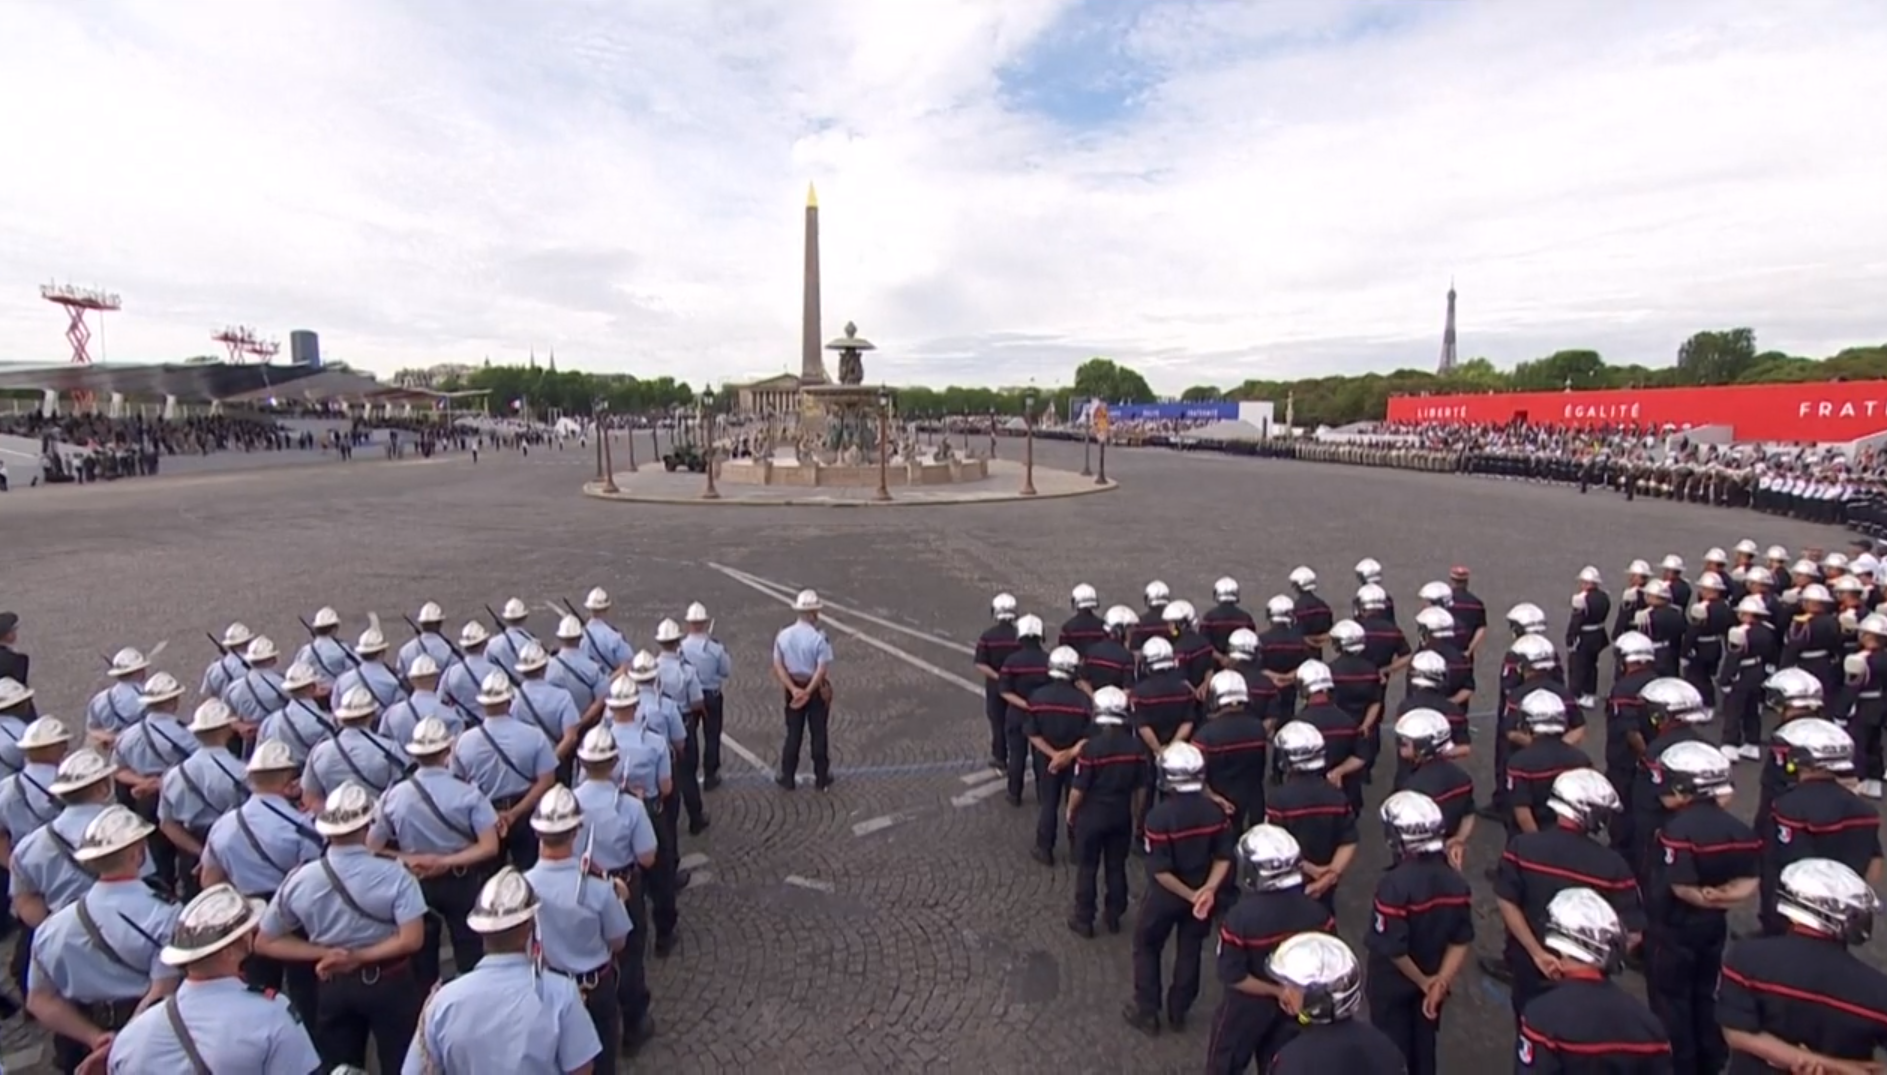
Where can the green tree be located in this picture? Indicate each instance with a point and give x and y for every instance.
(1201, 393)
(1101, 378)
(1717, 357)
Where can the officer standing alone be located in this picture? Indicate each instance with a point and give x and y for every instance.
(802, 663)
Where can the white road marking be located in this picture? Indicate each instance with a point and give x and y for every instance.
(908, 658)
(876, 824)
(808, 882)
(693, 861)
(980, 776)
(758, 581)
(746, 755)
(978, 794)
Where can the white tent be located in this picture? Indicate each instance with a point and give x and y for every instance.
(1233, 430)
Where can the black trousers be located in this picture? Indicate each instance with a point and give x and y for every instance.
(163, 852)
(1865, 729)
(1103, 833)
(1163, 914)
(1620, 828)
(1528, 983)
(21, 961)
(661, 880)
(1016, 752)
(1582, 663)
(599, 991)
(383, 1001)
(1051, 792)
(632, 979)
(296, 981)
(1743, 716)
(518, 846)
(996, 711)
(812, 717)
(449, 898)
(688, 769)
(109, 1015)
(1247, 1030)
(711, 733)
(1681, 987)
(1702, 676)
(1397, 1012)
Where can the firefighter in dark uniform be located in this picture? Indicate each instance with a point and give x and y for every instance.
(1326, 992)
(1110, 774)
(1760, 584)
(1865, 677)
(1426, 689)
(1423, 738)
(1313, 809)
(1107, 662)
(1152, 621)
(1671, 570)
(1189, 846)
(1817, 816)
(1632, 600)
(1311, 614)
(1538, 866)
(1357, 689)
(1674, 713)
(1250, 1024)
(1056, 726)
(1849, 610)
(1225, 616)
(1385, 644)
(1813, 641)
(1343, 759)
(1792, 694)
(1085, 627)
(1801, 1001)
(1281, 648)
(1538, 667)
(1664, 624)
(1533, 768)
(993, 647)
(1706, 865)
(1191, 651)
(1437, 632)
(1752, 648)
(1233, 742)
(1469, 611)
(1369, 573)
(1745, 552)
(1164, 708)
(1709, 621)
(1523, 619)
(1023, 674)
(1421, 931)
(1261, 693)
(1626, 728)
(1587, 1023)
(1586, 636)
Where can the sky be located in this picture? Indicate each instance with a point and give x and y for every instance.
(1207, 191)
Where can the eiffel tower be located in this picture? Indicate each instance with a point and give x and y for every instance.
(1448, 336)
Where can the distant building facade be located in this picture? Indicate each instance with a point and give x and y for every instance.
(773, 395)
(433, 376)
(304, 348)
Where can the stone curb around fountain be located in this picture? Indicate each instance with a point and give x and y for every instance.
(1082, 487)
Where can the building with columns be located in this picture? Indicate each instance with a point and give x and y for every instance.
(778, 394)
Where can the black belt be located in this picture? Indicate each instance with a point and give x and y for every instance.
(507, 802)
(373, 972)
(588, 980)
(709, 693)
(110, 1014)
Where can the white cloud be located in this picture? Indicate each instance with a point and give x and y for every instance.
(1284, 189)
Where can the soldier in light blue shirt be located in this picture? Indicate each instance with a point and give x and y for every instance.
(233, 1027)
(259, 690)
(429, 641)
(644, 762)
(581, 921)
(446, 833)
(512, 636)
(258, 844)
(116, 708)
(323, 652)
(655, 712)
(713, 667)
(209, 784)
(362, 917)
(802, 661)
(512, 763)
(653, 707)
(96, 960)
(605, 645)
(16, 710)
(354, 753)
(228, 666)
(144, 751)
(300, 723)
(624, 847)
(682, 687)
(547, 1030)
(46, 873)
(26, 799)
(465, 676)
(545, 706)
(370, 671)
(399, 720)
(573, 669)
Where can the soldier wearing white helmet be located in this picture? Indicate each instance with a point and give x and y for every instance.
(207, 785)
(545, 706)
(1282, 647)
(300, 722)
(143, 752)
(354, 753)
(1056, 726)
(1662, 620)
(228, 666)
(1585, 636)
(1346, 749)
(512, 635)
(1085, 627)
(601, 640)
(1864, 673)
(802, 665)
(1631, 600)
(588, 924)
(1233, 739)
(370, 669)
(624, 847)
(1709, 619)
(1587, 1022)
(1752, 648)
(1674, 713)
(1261, 692)
(1813, 640)
(679, 684)
(358, 919)
(511, 762)
(1110, 773)
(1358, 684)
(1427, 684)
(428, 638)
(713, 667)
(1224, 617)
(1671, 573)
(1533, 767)
(1312, 808)
(324, 652)
(26, 801)
(117, 707)
(462, 679)
(1326, 992)
(92, 961)
(1024, 672)
(1424, 740)
(259, 689)
(572, 669)
(1423, 922)
(993, 647)
(1535, 667)
(1311, 613)
(1164, 706)
(1191, 650)
(1189, 847)
(1251, 1025)
(1106, 662)
(398, 720)
(1152, 624)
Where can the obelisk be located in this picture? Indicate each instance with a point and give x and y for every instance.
(812, 365)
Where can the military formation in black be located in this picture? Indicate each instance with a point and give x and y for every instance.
(1229, 751)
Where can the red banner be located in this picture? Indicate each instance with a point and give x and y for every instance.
(1821, 411)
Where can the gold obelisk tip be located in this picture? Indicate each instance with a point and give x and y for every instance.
(812, 197)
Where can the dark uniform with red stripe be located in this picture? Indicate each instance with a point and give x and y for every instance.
(1186, 834)
(1648, 812)
(1318, 816)
(1460, 683)
(1233, 742)
(1163, 703)
(1024, 673)
(1469, 611)
(1341, 742)
(1538, 866)
(1281, 648)
(1460, 733)
(1817, 818)
(1081, 630)
(1383, 642)
(1531, 772)
(1625, 714)
(1263, 693)
(1346, 1045)
(1423, 908)
(1249, 1027)
(1110, 771)
(1195, 656)
(1587, 1025)
(1445, 782)
(1058, 714)
(1510, 721)
(1356, 688)
(1106, 663)
(1220, 621)
(993, 647)
(1313, 617)
(1701, 846)
(1152, 625)
(1805, 989)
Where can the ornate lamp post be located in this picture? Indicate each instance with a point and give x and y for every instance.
(1101, 478)
(884, 445)
(602, 447)
(1087, 441)
(992, 432)
(707, 413)
(1028, 426)
(629, 436)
